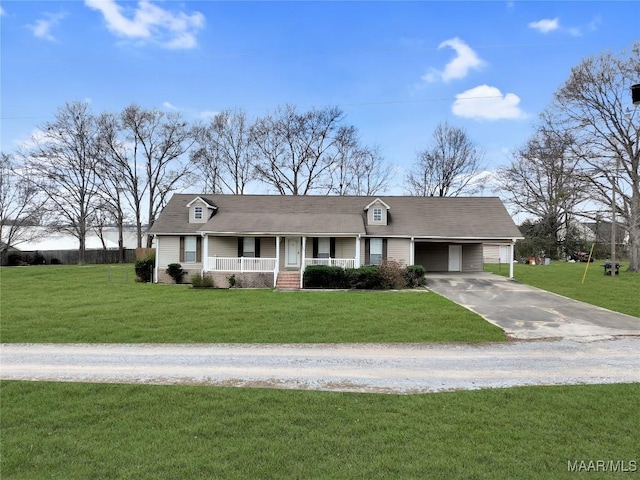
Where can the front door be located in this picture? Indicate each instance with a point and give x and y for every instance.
(292, 252)
(455, 258)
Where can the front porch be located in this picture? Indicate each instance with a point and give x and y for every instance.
(256, 257)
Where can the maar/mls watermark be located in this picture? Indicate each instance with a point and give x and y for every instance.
(613, 466)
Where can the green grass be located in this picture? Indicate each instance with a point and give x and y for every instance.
(79, 431)
(98, 304)
(618, 293)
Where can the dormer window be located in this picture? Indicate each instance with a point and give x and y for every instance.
(201, 210)
(377, 213)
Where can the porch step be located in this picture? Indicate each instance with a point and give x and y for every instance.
(288, 280)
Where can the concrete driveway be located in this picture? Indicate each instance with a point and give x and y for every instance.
(526, 312)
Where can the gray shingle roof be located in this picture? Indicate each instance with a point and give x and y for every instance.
(426, 217)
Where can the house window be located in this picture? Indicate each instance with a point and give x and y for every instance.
(324, 247)
(249, 247)
(190, 245)
(377, 214)
(197, 213)
(375, 251)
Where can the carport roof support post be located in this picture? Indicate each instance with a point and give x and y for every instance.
(511, 259)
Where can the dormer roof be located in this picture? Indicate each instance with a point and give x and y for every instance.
(204, 200)
(377, 200)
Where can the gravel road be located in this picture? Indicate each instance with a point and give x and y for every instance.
(388, 368)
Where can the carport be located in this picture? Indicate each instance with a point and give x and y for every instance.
(453, 255)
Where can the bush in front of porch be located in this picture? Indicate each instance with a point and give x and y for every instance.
(388, 275)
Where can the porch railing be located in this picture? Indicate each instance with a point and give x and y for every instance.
(331, 262)
(241, 264)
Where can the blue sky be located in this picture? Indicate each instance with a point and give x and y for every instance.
(396, 69)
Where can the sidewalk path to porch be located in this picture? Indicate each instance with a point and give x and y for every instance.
(528, 313)
(374, 368)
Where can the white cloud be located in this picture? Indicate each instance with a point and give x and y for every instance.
(151, 23)
(486, 102)
(546, 25)
(465, 60)
(42, 28)
(170, 106)
(2, 12)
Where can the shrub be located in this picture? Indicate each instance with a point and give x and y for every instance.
(232, 281)
(144, 269)
(175, 271)
(201, 281)
(391, 275)
(14, 260)
(55, 261)
(414, 276)
(365, 277)
(323, 276)
(196, 280)
(38, 259)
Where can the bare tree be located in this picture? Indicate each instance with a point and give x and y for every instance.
(156, 143)
(357, 169)
(223, 154)
(21, 204)
(446, 167)
(595, 102)
(63, 155)
(297, 150)
(122, 173)
(544, 180)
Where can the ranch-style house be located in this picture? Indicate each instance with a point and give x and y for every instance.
(268, 240)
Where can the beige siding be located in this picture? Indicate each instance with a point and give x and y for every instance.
(370, 214)
(472, 257)
(345, 247)
(168, 251)
(398, 250)
(192, 212)
(268, 247)
(223, 247)
(491, 253)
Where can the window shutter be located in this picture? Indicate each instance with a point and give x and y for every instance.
(257, 247)
(181, 258)
(198, 249)
(384, 249)
(315, 247)
(332, 247)
(367, 251)
(240, 247)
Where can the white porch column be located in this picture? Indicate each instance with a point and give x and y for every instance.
(277, 269)
(356, 263)
(412, 249)
(511, 260)
(303, 256)
(205, 253)
(155, 273)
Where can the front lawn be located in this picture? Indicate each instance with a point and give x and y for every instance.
(78, 431)
(618, 293)
(103, 304)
